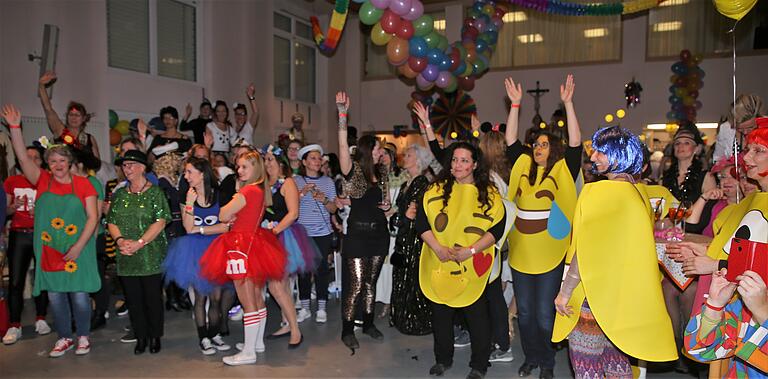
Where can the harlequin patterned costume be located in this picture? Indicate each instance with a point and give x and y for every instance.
(247, 250)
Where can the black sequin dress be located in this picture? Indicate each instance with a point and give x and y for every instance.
(411, 311)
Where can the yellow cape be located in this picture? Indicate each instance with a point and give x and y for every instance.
(461, 223)
(540, 238)
(658, 193)
(746, 219)
(620, 278)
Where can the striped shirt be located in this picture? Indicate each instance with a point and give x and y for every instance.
(313, 215)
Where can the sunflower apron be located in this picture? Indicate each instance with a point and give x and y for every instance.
(59, 220)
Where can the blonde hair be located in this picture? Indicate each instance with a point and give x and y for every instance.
(259, 174)
(170, 166)
(61, 150)
(747, 106)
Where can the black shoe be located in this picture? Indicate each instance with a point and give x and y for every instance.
(681, 366)
(184, 302)
(154, 345)
(373, 332)
(439, 369)
(141, 346)
(98, 321)
(278, 336)
(351, 342)
(525, 370)
(546, 373)
(475, 374)
(128, 337)
(172, 305)
(297, 344)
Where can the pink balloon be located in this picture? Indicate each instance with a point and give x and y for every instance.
(417, 9)
(400, 7)
(380, 4)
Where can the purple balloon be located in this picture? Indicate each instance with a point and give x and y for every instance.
(400, 7)
(380, 4)
(431, 72)
(480, 25)
(422, 83)
(443, 79)
(417, 9)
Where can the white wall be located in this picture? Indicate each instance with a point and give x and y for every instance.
(600, 88)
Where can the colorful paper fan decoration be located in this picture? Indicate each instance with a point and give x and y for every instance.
(452, 112)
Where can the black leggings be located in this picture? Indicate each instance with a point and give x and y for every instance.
(101, 297)
(20, 254)
(214, 314)
(324, 244)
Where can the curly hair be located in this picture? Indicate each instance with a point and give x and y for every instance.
(480, 174)
(170, 166)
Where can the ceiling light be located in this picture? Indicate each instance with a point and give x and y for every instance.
(700, 125)
(514, 17)
(530, 38)
(671, 3)
(595, 33)
(667, 26)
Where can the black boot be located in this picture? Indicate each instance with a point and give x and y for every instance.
(154, 345)
(348, 335)
(370, 329)
(141, 346)
(170, 298)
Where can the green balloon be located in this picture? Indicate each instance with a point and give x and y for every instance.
(469, 70)
(369, 14)
(113, 119)
(442, 42)
(422, 25)
(432, 39)
(479, 66)
(451, 87)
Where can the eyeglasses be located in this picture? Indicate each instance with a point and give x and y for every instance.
(74, 114)
(293, 149)
(543, 145)
(240, 114)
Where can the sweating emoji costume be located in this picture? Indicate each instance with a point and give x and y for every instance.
(611, 305)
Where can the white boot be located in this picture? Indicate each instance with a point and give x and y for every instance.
(260, 348)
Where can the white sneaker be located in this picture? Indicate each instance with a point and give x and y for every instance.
(239, 346)
(12, 335)
(61, 347)
(321, 317)
(219, 343)
(236, 313)
(42, 328)
(240, 358)
(83, 345)
(206, 347)
(303, 314)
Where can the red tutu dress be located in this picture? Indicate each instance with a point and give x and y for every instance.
(247, 250)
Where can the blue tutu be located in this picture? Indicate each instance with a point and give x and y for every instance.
(182, 265)
(303, 254)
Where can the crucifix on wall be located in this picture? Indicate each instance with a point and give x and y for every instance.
(537, 94)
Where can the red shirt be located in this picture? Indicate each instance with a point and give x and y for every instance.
(19, 186)
(83, 187)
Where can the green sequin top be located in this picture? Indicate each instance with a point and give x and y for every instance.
(133, 213)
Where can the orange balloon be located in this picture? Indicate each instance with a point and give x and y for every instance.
(406, 71)
(397, 51)
(114, 137)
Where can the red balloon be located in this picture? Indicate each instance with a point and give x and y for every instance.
(418, 64)
(390, 22)
(685, 55)
(469, 33)
(499, 13)
(466, 83)
(455, 61)
(405, 30)
(471, 52)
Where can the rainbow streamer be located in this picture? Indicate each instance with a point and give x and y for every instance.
(328, 44)
(567, 8)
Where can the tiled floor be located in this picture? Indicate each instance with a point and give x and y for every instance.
(321, 355)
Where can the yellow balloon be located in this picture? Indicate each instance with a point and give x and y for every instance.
(735, 9)
(621, 113)
(608, 118)
(123, 127)
(379, 36)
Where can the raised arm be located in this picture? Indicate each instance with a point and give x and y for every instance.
(422, 113)
(342, 105)
(12, 116)
(515, 94)
(54, 122)
(251, 92)
(566, 95)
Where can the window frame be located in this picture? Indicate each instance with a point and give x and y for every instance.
(153, 53)
(294, 38)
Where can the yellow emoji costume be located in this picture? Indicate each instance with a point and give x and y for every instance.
(620, 278)
(461, 223)
(540, 238)
(746, 220)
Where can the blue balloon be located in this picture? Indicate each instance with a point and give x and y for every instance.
(493, 37)
(672, 89)
(671, 115)
(434, 56)
(417, 47)
(445, 63)
(478, 6)
(460, 70)
(674, 100)
(480, 45)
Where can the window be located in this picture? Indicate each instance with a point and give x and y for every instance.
(294, 59)
(375, 63)
(697, 26)
(168, 49)
(531, 38)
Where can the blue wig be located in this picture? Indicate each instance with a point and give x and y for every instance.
(622, 148)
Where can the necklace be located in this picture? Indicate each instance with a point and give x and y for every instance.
(143, 187)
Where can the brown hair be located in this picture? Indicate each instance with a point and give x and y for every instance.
(494, 148)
